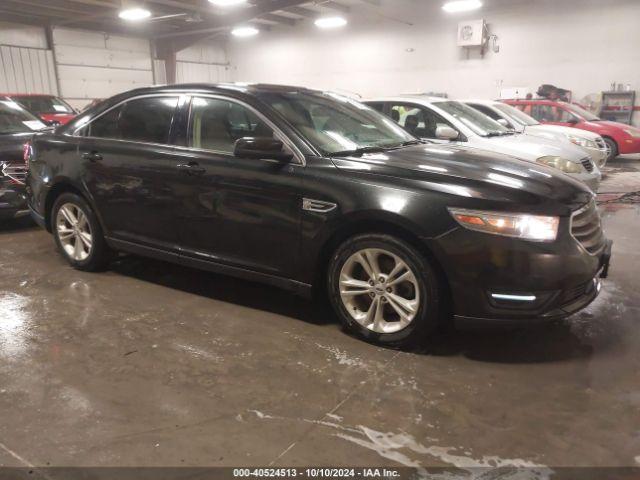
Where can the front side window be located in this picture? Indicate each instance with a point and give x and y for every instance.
(217, 124)
(145, 120)
(336, 124)
(418, 121)
(44, 104)
(490, 113)
(473, 119)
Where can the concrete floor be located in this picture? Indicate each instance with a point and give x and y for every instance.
(152, 364)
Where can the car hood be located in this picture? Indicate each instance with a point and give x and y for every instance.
(609, 125)
(529, 147)
(471, 173)
(11, 146)
(62, 118)
(560, 131)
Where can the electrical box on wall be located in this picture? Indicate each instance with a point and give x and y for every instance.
(472, 33)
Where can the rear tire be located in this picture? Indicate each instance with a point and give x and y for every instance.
(613, 149)
(78, 234)
(384, 290)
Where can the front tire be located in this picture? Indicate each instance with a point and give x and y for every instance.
(613, 149)
(78, 234)
(384, 290)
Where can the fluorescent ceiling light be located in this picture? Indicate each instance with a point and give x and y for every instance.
(134, 14)
(227, 3)
(244, 31)
(461, 6)
(331, 22)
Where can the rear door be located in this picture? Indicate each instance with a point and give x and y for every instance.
(131, 169)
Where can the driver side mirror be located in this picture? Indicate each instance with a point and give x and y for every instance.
(573, 120)
(444, 132)
(503, 122)
(261, 148)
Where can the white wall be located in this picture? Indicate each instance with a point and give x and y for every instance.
(203, 62)
(97, 65)
(581, 45)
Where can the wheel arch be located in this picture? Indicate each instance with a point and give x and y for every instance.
(386, 226)
(60, 187)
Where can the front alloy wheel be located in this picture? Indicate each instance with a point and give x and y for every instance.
(379, 290)
(384, 290)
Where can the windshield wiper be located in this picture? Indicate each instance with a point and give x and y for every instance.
(358, 151)
(499, 134)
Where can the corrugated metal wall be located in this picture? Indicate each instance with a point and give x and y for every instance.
(27, 70)
(188, 72)
(96, 65)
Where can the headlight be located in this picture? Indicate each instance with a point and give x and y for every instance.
(582, 142)
(527, 227)
(562, 164)
(635, 133)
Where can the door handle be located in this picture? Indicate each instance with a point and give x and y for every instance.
(191, 168)
(92, 156)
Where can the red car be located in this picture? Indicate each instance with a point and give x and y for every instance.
(620, 138)
(52, 110)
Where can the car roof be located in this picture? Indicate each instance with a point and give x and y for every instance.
(221, 87)
(27, 95)
(421, 99)
(481, 102)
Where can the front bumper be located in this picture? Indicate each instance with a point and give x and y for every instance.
(629, 145)
(591, 180)
(502, 281)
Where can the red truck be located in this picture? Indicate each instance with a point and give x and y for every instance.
(49, 108)
(620, 138)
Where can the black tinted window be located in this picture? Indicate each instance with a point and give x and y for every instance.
(418, 121)
(217, 124)
(142, 120)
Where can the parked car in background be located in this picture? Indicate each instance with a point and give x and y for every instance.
(50, 109)
(444, 121)
(16, 128)
(519, 121)
(301, 189)
(621, 138)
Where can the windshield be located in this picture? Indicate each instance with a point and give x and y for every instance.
(336, 124)
(14, 119)
(518, 115)
(581, 112)
(44, 104)
(478, 122)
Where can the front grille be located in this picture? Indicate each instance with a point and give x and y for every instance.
(15, 171)
(586, 228)
(587, 164)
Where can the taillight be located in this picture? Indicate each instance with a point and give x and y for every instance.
(26, 153)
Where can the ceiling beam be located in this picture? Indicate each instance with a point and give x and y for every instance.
(270, 17)
(301, 12)
(230, 20)
(336, 6)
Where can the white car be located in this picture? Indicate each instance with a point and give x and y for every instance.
(519, 121)
(441, 121)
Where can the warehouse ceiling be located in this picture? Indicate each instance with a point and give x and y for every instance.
(170, 18)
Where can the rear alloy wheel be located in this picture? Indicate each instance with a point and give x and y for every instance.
(384, 290)
(78, 233)
(613, 149)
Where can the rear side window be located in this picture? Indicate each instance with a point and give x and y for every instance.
(141, 120)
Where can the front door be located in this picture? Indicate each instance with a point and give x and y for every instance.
(238, 211)
(131, 170)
